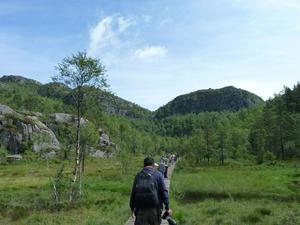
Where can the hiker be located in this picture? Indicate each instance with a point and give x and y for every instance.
(161, 168)
(166, 163)
(148, 195)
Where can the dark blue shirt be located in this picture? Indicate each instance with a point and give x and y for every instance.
(162, 190)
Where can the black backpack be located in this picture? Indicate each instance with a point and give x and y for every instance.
(146, 191)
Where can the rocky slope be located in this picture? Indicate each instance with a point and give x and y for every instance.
(20, 132)
(227, 98)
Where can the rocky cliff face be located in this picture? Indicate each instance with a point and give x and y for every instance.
(20, 132)
(209, 100)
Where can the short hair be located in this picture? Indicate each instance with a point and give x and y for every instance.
(148, 161)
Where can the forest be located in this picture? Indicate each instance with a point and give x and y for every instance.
(264, 131)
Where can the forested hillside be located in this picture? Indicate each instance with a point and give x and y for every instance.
(210, 100)
(265, 131)
(23, 93)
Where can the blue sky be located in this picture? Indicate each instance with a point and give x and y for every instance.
(154, 50)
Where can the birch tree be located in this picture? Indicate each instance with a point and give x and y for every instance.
(79, 71)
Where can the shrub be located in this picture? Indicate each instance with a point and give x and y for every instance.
(263, 211)
(30, 156)
(59, 190)
(3, 154)
(18, 212)
(212, 210)
(251, 218)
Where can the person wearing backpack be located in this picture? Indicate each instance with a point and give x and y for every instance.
(148, 195)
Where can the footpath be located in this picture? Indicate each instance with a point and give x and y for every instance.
(130, 221)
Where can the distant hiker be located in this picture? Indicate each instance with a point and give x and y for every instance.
(166, 163)
(161, 168)
(148, 195)
(173, 159)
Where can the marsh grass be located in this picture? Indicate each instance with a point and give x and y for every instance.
(26, 193)
(236, 194)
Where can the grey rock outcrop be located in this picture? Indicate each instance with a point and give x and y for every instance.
(4, 110)
(19, 132)
(101, 154)
(66, 118)
(104, 138)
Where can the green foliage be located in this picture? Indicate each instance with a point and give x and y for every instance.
(260, 132)
(258, 194)
(60, 185)
(3, 154)
(54, 90)
(210, 100)
(25, 200)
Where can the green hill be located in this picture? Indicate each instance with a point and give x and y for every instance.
(17, 90)
(209, 100)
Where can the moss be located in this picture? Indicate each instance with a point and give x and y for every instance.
(10, 128)
(23, 119)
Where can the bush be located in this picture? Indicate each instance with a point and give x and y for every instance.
(59, 190)
(263, 211)
(251, 218)
(3, 154)
(30, 156)
(18, 212)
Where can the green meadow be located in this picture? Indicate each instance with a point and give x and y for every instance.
(233, 194)
(26, 193)
(237, 194)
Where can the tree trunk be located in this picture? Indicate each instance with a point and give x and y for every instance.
(222, 156)
(78, 152)
(281, 144)
(77, 172)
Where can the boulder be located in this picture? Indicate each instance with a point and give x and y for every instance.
(4, 110)
(100, 154)
(62, 118)
(66, 118)
(11, 158)
(19, 132)
(104, 140)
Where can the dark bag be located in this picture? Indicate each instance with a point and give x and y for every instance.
(146, 191)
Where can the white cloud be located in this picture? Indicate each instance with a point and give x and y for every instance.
(150, 52)
(124, 23)
(106, 33)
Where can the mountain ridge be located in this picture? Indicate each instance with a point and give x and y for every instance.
(221, 99)
(226, 98)
(55, 90)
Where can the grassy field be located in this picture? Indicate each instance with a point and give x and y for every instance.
(234, 194)
(25, 193)
(237, 194)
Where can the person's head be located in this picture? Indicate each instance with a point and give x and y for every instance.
(148, 162)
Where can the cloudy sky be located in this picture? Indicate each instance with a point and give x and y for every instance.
(155, 50)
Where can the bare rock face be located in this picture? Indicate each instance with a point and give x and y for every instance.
(62, 118)
(101, 154)
(66, 118)
(4, 110)
(19, 132)
(104, 138)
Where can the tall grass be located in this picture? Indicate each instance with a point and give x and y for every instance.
(236, 194)
(25, 193)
